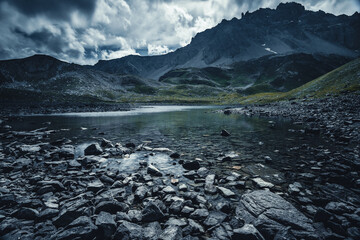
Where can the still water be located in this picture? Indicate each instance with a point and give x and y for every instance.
(193, 131)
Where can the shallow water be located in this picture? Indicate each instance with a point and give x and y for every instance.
(192, 131)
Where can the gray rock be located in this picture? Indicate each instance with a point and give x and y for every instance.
(66, 151)
(226, 192)
(261, 183)
(106, 224)
(66, 216)
(214, 219)
(25, 213)
(182, 187)
(152, 231)
(111, 207)
(171, 233)
(80, 228)
(106, 143)
(93, 149)
(193, 228)
(191, 165)
(176, 206)
(248, 232)
(176, 222)
(209, 184)
(129, 231)
(273, 213)
(339, 208)
(95, 186)
(140, 193)
(48, 214)
(135, 215)
(168, 190)
(199, 214)
(152, 213)
(152, 170)
(225, 133)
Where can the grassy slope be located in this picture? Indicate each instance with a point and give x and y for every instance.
(343, 79)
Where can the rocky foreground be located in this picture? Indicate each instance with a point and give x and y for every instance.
(48, 191)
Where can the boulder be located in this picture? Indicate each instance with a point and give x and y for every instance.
(191, 165)
(152, 170)
(93, 149)
(106, 224)
(152, 213)
(273, 213)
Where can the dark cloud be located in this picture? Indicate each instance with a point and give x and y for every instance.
(59, 9)
(43, 38)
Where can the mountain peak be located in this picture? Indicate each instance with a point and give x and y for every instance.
(291, 6)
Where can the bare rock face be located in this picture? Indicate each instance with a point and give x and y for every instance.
(273, 214)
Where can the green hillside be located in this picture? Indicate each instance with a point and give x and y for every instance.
(341, 80)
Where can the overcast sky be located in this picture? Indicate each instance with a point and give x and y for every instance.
(84, 31)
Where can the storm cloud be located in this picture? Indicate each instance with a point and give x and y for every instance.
(85, 31)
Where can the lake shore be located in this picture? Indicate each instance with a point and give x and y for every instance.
(50, 191)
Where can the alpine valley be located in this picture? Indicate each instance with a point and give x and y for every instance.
(269, 50)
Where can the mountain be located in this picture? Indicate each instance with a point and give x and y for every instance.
(288, 29)
(266, 74)
(339, 81)
(41, 73)
(269, 50)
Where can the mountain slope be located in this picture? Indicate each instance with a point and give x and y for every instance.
(341, 80)
(41, 73)
(288, 29)
(269, 73)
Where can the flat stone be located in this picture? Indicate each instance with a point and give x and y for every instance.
(248, 232)
(199, 214)
(111, 207)
(214, 218)
(25, 213)
(80, 228)
(226, 192)
(95, 186)
(261, 183)
(168, 190)
(273, 213)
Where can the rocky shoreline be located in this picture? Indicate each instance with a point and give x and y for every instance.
(28, 109)
(49, 191)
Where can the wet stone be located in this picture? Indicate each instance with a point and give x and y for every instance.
(93, 149)
(199, 214)
(248, 232)
(106, 224)
(152, 213)
(111, 207)
(191, 165)
(171, 233)
(95, 186)
(226, 192)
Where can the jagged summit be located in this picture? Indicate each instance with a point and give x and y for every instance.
(288, 29)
